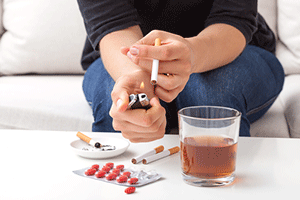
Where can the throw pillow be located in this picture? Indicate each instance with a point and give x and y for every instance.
(288, 48)
(42, 36)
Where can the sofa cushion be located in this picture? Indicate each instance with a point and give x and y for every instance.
(42, 36)
(288, 48)
(290, 96)
(44, 103)
(1, 24)
(273, 123)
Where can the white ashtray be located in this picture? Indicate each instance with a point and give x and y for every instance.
(85, 150)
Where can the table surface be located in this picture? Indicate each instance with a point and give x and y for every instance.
(39, 165)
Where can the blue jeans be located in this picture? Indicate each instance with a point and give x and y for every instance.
(249, 84)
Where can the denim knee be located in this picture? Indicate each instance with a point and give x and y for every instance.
(247, 84)
(97, 87)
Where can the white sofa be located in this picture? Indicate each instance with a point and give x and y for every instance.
(41, 76)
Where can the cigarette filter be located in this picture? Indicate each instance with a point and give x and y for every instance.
(155, 65)
(149, 153)
(160, 155)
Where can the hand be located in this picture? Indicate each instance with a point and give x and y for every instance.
(137, 125)
(176, 61)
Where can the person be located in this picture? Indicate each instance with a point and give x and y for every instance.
(213, 52)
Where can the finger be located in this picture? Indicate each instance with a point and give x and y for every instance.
(156, 107)
(166, 52)
(121, 101)
(144, 63)
(167, 95)
(127, 126)
(149, 39)
(140, 140)
(175, 67)
(164, 67)
(145, 119)
(145, 137)
(124, 50)
(169, 81)
(137, 117)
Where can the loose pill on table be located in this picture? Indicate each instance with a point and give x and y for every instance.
(130, 190)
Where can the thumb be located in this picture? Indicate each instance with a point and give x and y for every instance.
(154, 102)
(122, 102)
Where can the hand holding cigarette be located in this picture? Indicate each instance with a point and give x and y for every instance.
(173, 59)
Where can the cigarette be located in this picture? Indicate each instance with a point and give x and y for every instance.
(155, 64)
(152, 152)
(160, 155)
(88, 140)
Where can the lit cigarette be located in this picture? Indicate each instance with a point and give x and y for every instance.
(155, 64)
(160, 155)
(150, 153)
(88, 140)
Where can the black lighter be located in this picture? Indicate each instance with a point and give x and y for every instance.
(139, 101)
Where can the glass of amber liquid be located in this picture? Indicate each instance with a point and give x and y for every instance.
(208, 144)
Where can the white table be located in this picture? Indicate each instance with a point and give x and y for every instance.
(39, 165)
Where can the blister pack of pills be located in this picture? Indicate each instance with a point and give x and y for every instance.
(119, 174)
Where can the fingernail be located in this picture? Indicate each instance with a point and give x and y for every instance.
(134, 51)
(119, 103)
(129, 55)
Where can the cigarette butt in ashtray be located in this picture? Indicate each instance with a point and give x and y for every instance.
(155, 65)
(161, 155)
(88, 140)
(149, 153)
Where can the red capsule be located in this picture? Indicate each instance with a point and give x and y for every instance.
(116, 171)
(130, 190)
(100, 174)
(96, 166)
(120, 167)
(133, 180)
(111, 176)
(122, 179)
(90, 172)
(110, 165)
(106, 169)
(127, 174)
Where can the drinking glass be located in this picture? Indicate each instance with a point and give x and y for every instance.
(208, 144)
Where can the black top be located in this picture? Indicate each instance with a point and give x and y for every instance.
(183, 17)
